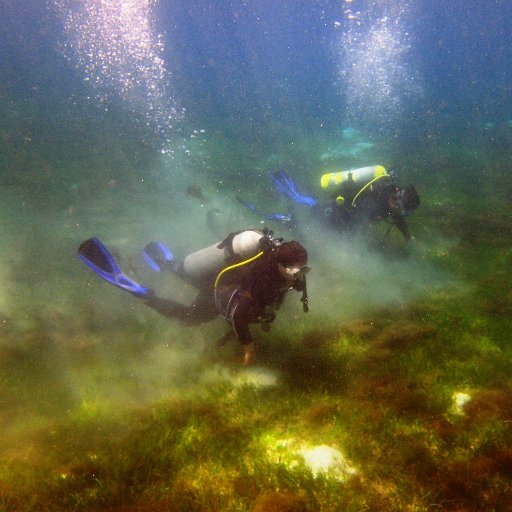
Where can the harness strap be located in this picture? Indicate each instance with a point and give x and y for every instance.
(228, 243)
(229, 314)
(236, 265)
(369, 184)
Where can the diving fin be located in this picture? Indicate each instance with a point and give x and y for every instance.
(97, 257)
(158, 256)
(287, 220)
(287, 187)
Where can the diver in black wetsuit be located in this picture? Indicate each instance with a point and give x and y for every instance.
(244, 291)
(356, 199)
(384, 201)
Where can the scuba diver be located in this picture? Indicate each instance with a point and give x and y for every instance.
(367, 195)
(356, 198)
(244, 278)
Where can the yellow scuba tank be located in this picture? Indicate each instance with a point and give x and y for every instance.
(211, 260)
(333, 180)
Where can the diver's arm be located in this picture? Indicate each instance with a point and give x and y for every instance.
(400, 223)
(280, 299)
(240, 318)
(240, 321)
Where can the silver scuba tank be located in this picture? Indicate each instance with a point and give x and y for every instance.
(209, 261)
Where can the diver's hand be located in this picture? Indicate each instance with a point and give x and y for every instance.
(249, 354)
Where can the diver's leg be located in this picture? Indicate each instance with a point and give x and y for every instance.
(200, 311)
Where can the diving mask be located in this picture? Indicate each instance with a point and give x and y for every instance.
(293, 273)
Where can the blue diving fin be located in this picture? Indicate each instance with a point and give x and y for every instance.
(287, 186)
(97, 257)
(286, 219)
(158, 256)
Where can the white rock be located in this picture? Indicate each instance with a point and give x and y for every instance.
(459, 400)
(328, 460)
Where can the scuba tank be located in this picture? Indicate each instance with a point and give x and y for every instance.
(333, 180)
(208, 262)
(352, 183)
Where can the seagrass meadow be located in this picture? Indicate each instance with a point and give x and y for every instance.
(395, 407)
(136, 121)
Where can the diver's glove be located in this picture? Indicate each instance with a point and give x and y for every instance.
(249, 353)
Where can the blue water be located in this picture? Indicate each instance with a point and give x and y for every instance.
(248, 66)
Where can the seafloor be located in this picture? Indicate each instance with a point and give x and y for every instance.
(393, 393)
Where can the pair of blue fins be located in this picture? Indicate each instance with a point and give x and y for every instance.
(159, 257)
(286, 186)
(98, 258)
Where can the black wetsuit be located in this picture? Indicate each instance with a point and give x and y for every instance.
(371, 206)
(249, 294)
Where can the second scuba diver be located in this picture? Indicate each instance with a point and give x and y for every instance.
(367, 195)
(354, 200)
(245, 278)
